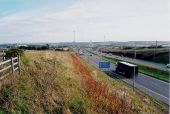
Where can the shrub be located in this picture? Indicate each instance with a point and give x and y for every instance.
(13, 53)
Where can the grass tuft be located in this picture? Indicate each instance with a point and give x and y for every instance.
(78, 103)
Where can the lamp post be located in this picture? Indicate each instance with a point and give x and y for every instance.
(155, 48)
(134, 71)
(74, 36)
(134, 78)
(135, 52)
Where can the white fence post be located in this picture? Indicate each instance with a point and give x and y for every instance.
(19, 64)
(3, 55)
(12, 65)
(3, 58)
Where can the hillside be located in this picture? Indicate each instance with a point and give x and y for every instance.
(64, 83)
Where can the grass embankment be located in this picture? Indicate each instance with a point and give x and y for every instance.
(58, 82)
(151, 71)
(47, 84)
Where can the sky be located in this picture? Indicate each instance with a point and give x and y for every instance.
(32, 21)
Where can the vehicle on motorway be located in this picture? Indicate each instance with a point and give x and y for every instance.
(81, 52)
(126, 69)
(168, 65)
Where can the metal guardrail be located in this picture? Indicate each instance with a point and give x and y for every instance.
(9, 66)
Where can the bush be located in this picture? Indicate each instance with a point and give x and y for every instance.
(13, 53)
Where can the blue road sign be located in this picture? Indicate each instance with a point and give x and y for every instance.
(104, 64)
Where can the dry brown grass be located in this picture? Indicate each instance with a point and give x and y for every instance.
(50, 83)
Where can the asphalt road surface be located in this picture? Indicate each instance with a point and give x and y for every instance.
(152, 86)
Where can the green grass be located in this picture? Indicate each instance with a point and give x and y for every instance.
(24, 59)
(151, 71)
(2, 112)
(17, 102)
(159, 74)
(110, 59)
(21, 105)
(92, 52)
(78, 103)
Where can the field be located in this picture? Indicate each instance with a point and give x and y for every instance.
(63, 83)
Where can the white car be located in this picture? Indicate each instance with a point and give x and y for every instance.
(168, 65)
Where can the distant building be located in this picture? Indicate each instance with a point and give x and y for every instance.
(65, 49)
(14, 46)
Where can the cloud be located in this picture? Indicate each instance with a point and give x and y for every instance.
(92, 19)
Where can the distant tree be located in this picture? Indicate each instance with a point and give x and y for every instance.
(48, 46)
(32, 47)
(127, 47)
(154, 46)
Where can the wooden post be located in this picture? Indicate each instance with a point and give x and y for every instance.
(19, 64)
(12, 65)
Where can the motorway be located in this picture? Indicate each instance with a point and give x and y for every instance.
(137, 61)
(152, 86)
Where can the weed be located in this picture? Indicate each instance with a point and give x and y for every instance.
(24, 59)
(21, 105)
(78, 103)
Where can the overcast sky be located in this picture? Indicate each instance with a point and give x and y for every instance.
(54, 21)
